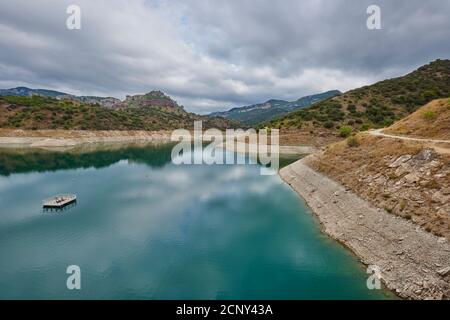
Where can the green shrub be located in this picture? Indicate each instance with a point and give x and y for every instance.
(329, 124)
(365, 127)
(351, 108)
(39, 117)
(352, 142)
(387, 122)
(345, 131)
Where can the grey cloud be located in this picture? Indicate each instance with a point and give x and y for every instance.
(212, 55)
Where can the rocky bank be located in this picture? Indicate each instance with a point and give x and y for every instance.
(413, 263)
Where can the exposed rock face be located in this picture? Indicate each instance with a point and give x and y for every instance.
(413, 262)
(107, 102)
(152, 99)
(414, 189)
(404, 178)
(104, 102)
(155, 99)
(444, 272)
(425, 155)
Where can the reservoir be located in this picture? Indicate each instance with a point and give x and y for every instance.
(144, 228)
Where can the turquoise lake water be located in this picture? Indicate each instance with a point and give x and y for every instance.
(144, 228)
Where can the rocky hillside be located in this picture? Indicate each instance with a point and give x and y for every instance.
(152, 111)
(431, 122)
(272, 109)
(27, 92)
(153, 99)
(408, 178)
(377, 105)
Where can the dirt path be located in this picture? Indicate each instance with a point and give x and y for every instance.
(429, 142)
(412, 262)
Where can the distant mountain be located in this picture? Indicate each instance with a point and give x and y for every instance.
(272, 109)
(151, 111)
(27, 92)
(152, 99)
(377, 105)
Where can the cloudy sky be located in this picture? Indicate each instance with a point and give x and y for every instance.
(212, 55)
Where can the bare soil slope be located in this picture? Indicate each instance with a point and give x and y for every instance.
(406, 178)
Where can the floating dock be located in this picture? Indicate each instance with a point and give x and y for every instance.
(60, 201)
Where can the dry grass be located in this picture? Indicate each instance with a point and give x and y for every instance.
(307, 137)
(365, 169)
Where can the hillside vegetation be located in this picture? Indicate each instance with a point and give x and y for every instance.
(431, 121)
(136, 113)
(272, 109)
(374, 106)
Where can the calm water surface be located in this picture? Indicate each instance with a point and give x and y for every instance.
(144, 228)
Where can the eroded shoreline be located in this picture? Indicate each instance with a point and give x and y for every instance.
(64, 139)
(410, 259)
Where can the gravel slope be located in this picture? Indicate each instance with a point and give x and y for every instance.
(413, 263)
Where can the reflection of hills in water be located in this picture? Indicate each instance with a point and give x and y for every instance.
(97, 156)
(23, 161)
